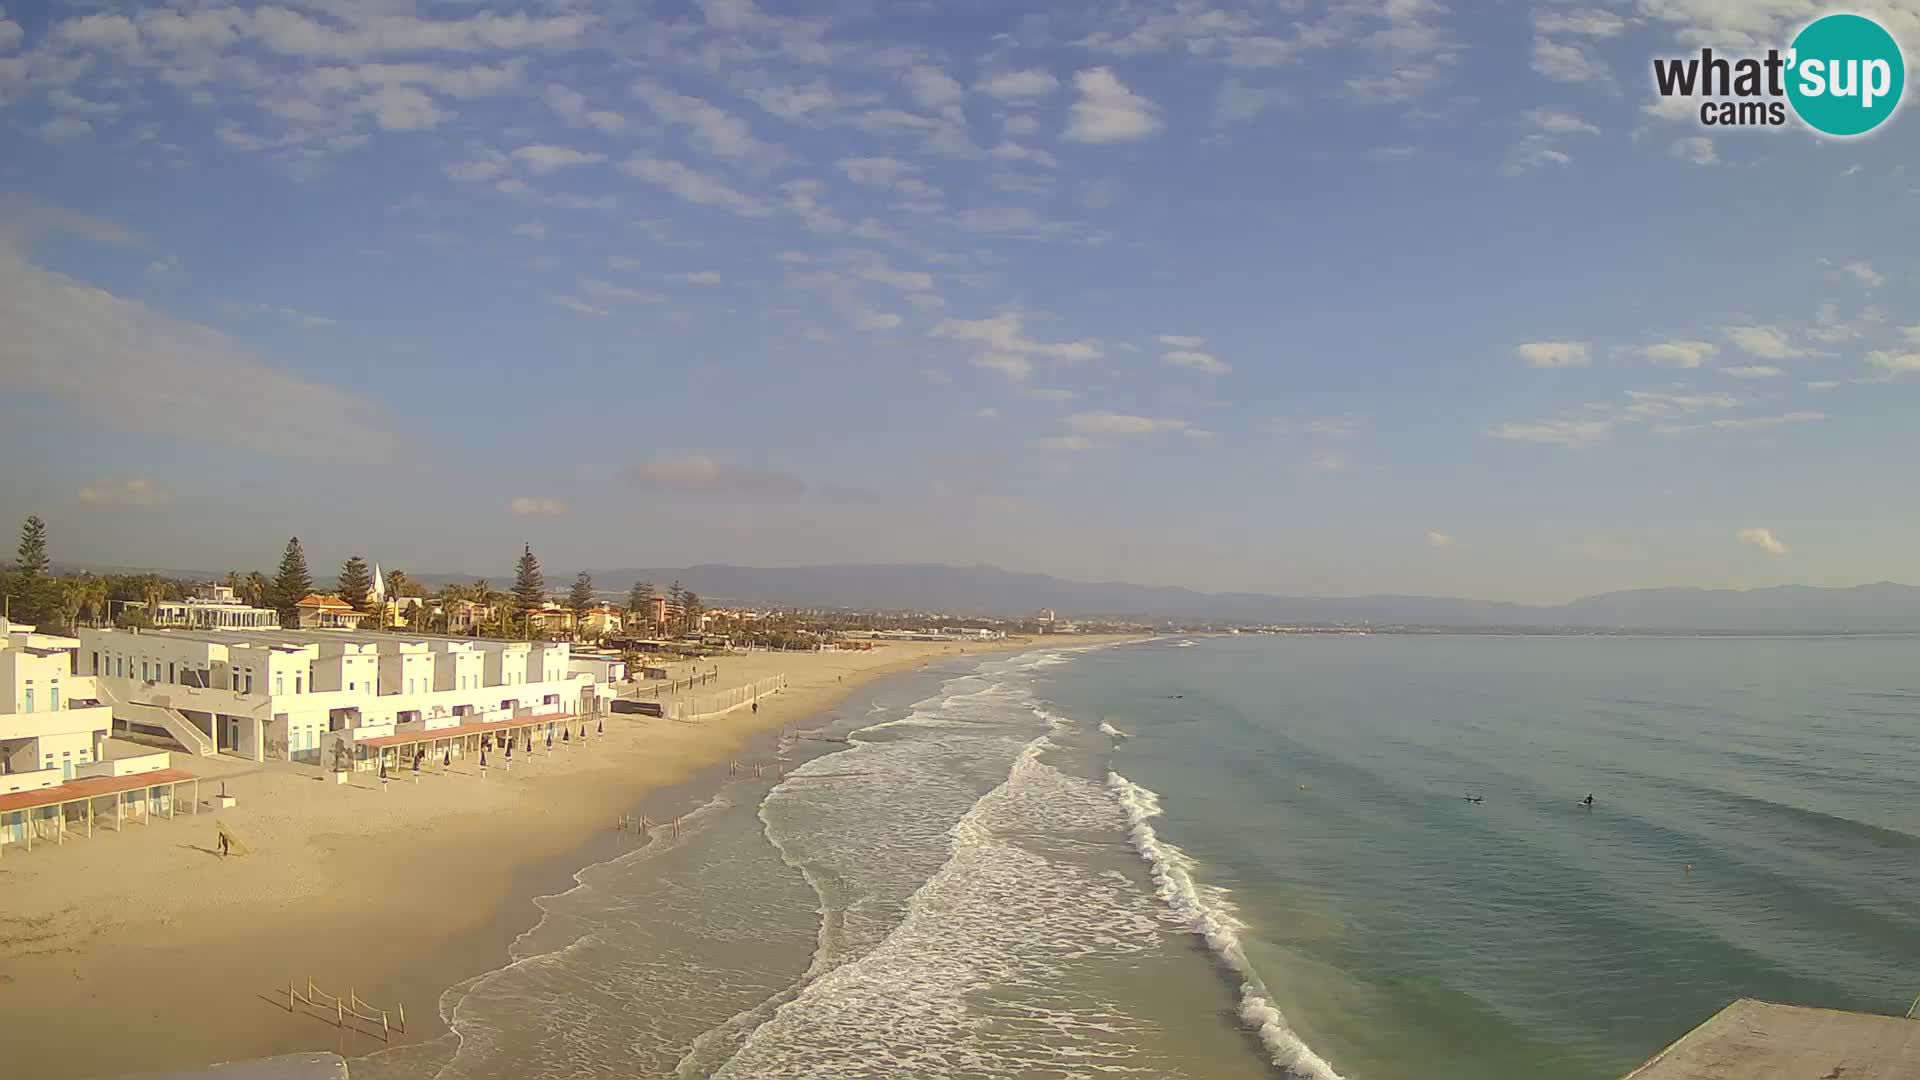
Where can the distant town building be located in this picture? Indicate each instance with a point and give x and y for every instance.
(467, 616)
(324, 611)
(550, 620)
(602, 620)
(211, 607)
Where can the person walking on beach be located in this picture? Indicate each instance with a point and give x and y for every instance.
(225, 844)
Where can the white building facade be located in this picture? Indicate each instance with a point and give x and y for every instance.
(51, 728)
(301, 695)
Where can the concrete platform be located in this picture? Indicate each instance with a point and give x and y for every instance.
(1758, 1040)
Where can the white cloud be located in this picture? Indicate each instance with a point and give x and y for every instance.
(1579, 22)
(876, 320)
(932, 88)
(164, 264)
(134, 491)
(294, 34)
(1197, 360)
(1015, 367)
(516, 188)
(401, 108)
(1751, 423)
(124, 365)
(10, 35)
(713, 129)
(532, 230)
(985, 413)
(1864, 273)
(1107, 423)
(1019, 86)
(527, 506)
(1762, 539)
(701, 277)
(875, 171)
(1568, 63)
(1531, 153)
(1834, 384)
(1004, 335)
(1697, 149)
(1045, 393)
(1650, 404)
(1765, 342)
(1438, 539)
(1183, 341)
(1686, 354)
(1554, 354)
(607, 290)
(700, 473)
(1911, 333)
(578, 306)
(1575, 431)
(1752, 371)
(1109, 112)
(1066, 442)
(1560, 122)
(695, 187)
(65, 129)
(1894, 363)
(544, 158)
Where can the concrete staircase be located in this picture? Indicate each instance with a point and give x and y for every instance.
(172, 721)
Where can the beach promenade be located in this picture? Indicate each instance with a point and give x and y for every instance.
(395, 891)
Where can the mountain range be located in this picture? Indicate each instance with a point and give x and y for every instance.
(986, 590)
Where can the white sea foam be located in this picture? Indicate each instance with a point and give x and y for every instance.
(997, 916)
(1112, 732)
(1205, 912)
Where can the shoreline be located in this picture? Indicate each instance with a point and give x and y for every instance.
(397, 894)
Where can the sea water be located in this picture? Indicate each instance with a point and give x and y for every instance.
(1249, 857)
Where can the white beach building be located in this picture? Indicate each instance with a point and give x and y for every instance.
(51, 728)
(211, 607)
(304, 695)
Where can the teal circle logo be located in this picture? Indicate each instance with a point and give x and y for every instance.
(1845, 75)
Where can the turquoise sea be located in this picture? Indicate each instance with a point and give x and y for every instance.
(1247, 857)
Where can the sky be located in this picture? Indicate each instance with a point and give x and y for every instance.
(1280, 295)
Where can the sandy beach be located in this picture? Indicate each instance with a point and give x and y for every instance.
(149, 950)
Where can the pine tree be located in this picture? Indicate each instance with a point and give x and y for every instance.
(676, 606)
(580, 598)
(639, 599)
(529, 586)
(356, 584)
(690, 608)
(293, 583)
(29, 585)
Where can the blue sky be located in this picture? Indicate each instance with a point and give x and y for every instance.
(1306, 297)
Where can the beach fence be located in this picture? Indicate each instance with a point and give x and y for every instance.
(702, 706)
(348, 1012)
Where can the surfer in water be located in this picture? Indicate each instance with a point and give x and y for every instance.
(1588, 801)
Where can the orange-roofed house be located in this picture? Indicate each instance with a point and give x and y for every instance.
(323, 611)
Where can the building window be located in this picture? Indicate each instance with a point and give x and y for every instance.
(279, 683)
(296, 684)
(53, 699)
(29, 705)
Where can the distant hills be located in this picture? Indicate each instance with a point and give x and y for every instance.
(1884, 607)
(987, 590)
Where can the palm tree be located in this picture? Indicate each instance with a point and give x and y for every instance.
(73, 596)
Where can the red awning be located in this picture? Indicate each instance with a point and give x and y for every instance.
(91, 787)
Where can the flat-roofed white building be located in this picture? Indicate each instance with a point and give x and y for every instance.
(50, 725)
(295, 694)
(212, 607)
